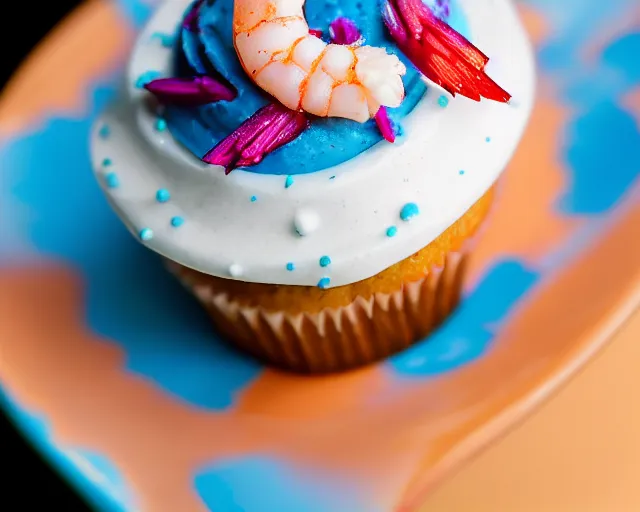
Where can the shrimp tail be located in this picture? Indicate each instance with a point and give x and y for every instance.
(443, 55)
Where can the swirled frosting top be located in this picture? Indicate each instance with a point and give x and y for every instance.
(335, 226)
(329, 141)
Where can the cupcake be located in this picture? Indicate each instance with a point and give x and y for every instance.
(316, 177)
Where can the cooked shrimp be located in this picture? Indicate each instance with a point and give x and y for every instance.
(303, 72)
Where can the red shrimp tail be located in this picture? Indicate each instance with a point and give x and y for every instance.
(442, 54)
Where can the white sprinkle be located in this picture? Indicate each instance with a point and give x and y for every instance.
(235, 270)
(306, 221)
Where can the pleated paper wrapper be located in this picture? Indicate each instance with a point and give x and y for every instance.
(333, 340)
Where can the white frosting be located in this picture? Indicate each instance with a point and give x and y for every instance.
(227, 234)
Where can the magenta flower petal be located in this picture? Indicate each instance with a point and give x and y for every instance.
(194, 91)
(254, 153)
(191, 18)
(265, 131)
(287, 132)
(439, 52)
(384, 125)
(344, 31)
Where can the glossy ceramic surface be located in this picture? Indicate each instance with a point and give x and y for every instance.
(111, 370)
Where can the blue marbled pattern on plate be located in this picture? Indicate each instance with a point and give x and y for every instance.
(166, 335)
(262, 484)
(115, 496)
(468, 333)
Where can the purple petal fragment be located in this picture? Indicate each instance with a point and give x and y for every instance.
(442, 9)
(344, 31)
(384, 125)
(194, 91)
(265, 131)
(190, 21)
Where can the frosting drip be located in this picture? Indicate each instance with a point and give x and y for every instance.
(208, 48)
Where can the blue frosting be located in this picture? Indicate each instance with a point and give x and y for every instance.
(329, 141)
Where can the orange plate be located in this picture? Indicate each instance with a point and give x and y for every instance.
(111, 369)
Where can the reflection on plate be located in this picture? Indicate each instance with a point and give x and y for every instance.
(110, 369)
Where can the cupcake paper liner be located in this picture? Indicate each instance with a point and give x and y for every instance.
(336, 339)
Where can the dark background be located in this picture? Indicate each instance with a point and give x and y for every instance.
(27, 481)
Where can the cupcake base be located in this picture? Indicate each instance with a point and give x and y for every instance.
(335, 339)
(306, 329)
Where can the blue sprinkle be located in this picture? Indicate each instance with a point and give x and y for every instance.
(111, 179)
(254, 199)
(461, 172)
(325, 261)
(177, 221)
(145, 234)
(392, 231)
(324, 283)
(163, 195)
(104, 132)
(166, 40)
(161, 124)
(288, 182)
(332, 178)
(146, 77)
(488, 139)
(409, 211)
(291, 267)
(443, 101)
(107, 162)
